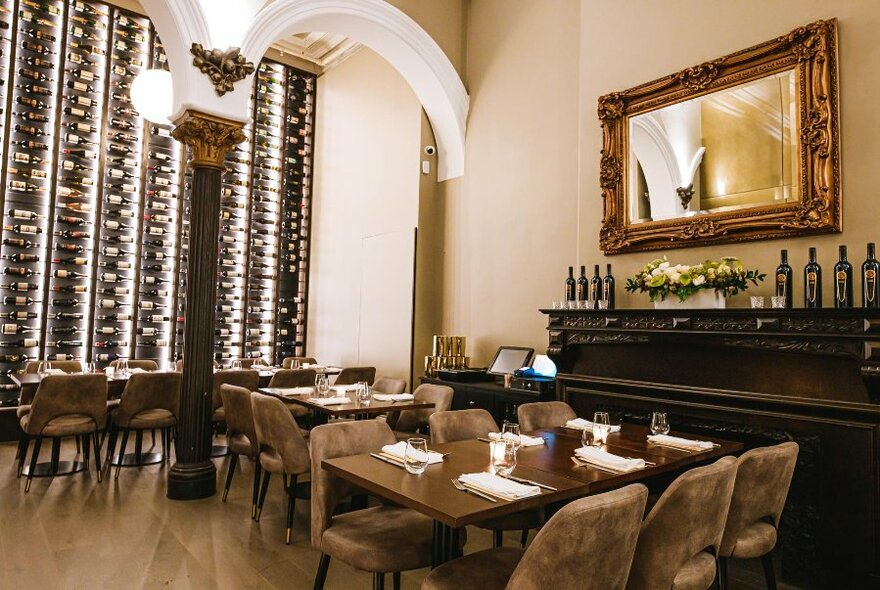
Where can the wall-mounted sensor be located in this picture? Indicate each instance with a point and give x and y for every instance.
(430, 150)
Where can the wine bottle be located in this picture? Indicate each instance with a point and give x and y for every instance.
(596, 285)
(19, 301)
(608, 287)
(20, 315)
(19, 329)
(103, 357)
(64, 344)
(23, 343)
(870, 271)
(812, 283)
(115, 317)
(65, 302)
(20, 286)
(843, 281)
(64, 330)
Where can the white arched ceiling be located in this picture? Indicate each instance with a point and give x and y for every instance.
(374, 23)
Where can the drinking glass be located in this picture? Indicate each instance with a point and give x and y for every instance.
(415, 458)
(777, 302)
(503, 454)
(236, 365)
(510, 432)
(601, 428)
(557, 304)
(295, 365)
(587, 437)
(88, 368)
(757, 301)
(322, 384)
(659, 423)
(364, 392)
(122, 367)
(43, 368)
(602, 303)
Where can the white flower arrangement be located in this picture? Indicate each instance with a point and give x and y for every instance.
(659, 278)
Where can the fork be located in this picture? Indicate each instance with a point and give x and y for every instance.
(460, 486)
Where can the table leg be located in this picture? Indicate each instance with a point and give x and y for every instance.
(447, 544)
(319, 418)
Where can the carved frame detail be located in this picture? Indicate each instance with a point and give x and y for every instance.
(811, 51)
(224, 68)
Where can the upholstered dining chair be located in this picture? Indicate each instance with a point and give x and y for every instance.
(378, 539)
(178, 366)
(294, 378)
(763, 477)
(588, 545)
(409, 423)
(680, 537)
(287, 363)
(389, 385)
(537, 415)
(64, 405)
(246, 378)
(150, 401)
(352, 375)
(66, 366)
(283, 450)
(241, 437)
(145, 364)
(469, 424)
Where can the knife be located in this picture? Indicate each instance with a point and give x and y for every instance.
(387, 460)
(533, 483)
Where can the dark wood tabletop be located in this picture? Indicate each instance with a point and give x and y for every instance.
(433, 494)
(373, 408)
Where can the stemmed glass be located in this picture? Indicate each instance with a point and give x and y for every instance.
(43, 368)
(88, 368)
(322, 384)
(236, 365)
(510, 432)
(659, 423)
(601, 428)
(415, 458)
(122, 367)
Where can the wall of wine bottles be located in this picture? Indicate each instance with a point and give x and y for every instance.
(95, 199)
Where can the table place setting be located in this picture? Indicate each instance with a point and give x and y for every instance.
(681, 444)
(330, 401)
(289, 391)
(583, 424)
(398, 452)
(503, 488)
(393, 397)
(589, 456)
(524, 439)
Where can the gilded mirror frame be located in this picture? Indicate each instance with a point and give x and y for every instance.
(811, 51)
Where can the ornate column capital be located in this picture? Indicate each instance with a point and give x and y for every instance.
(209, 137)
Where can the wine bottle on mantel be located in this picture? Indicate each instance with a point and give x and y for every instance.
(843, 278)
(582, 285)
(596, 285)
(812, 283)
(570, 285)
(870, 272)
(608, 287)
(784, 280)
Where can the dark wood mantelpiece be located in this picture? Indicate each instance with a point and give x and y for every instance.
(762, 377)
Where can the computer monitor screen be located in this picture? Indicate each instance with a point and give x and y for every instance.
(510, 358)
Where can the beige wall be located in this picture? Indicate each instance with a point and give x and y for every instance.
(530, 206)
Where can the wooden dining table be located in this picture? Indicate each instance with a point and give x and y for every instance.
(432, 493)
(354, 408)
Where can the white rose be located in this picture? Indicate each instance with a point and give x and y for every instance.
(663, 265)
(699, 280)
(674, 276)
(655, 272)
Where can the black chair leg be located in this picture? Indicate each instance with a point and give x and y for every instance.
(78, 445)
(321, 576)
(263, 489)
(524, 538)
(258, 471)
(378, 581)
(111, 447)
(87, 455)
(23, 445)
(291, 500)
(34, 457)
(233, 462)
(497, 539)
(395, 580)
(99, 467)
(769, 573)
(121, 452)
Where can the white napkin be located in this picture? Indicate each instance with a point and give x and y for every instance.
(330, 401)
(524, 439)
(680, 443)
(137, 370)
(341, 389)
(498, 486)
(581, 424)
(394, 397)
(398, 451)
(608, 460)
(290, 391)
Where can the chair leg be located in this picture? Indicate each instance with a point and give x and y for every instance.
(111, 446)
(721, 572)
(497, 539)
(85, 450)
(23, 445)
(524, 538)
(321, 576)
(769, 574)
(121, 452)
(291, 499)
(378, 581)
(233, 462)
(263, 489)
(34, 457)
(255, 498)
(99, 467)
(78, 445)
(395, 580)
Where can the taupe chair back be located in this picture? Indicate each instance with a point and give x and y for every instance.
(293, 378)
(589, 544)
(148, 391)
(679, 540)
(145, 364)
(389, 385)
(66, 395)
(352, 375)
(241, 432)
(539, 415)
(461, 425)
(287, 363)
(411, 420)
(763, 477)
(279, 438)
(66, 366)
(246, 378)
(339, 440)
(179, 365)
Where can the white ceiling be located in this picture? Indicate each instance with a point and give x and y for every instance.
(326, 50)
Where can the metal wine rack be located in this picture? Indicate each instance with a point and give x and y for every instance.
(95, 200)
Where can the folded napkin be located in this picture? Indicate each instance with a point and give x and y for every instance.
(398, 451)
(496, 485)
(330, 401)
(394, 397)
(54, 372)
(524, 439)
(680, 443)
(607, 460)
(288, 391)
(137, 370)
(581, 424)
(341, 389)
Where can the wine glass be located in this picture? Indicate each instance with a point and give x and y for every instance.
(510, 431)
(322, 384)
(236, 364)
(122, 367)
(364, 392)
(89, 368)
(415, 458)
(43, 368)
(503, 454)
(601, 428)
(659, 423)
(295, 364)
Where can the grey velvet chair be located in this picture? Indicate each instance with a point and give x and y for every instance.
(64, 405)
(145, 364)
(588, 545)
(378, 539)
(680, 537)
(539, 415)
(389, 385)
(241, 437)
(283, 450)
(150, 401)
(410, 423)
(294, 378)
(469, 424)
(352, 375)
(66, 366)
(287, 363)
(246, 378)
(763, 477)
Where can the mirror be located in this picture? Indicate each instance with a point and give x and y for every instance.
(743, 147)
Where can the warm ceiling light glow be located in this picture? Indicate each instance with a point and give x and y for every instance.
(152, 94)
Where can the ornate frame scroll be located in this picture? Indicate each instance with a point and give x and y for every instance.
(811, 51)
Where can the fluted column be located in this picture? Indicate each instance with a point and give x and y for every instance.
(210, 138)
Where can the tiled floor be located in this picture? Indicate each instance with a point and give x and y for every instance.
(71, 532)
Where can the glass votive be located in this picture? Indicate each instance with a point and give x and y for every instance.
(502, 455)
(590, 304)
(557, 304)
(777, 302)
(572, 304)
(602, 303)
(757, 301)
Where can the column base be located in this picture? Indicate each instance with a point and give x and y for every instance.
(192, 481)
